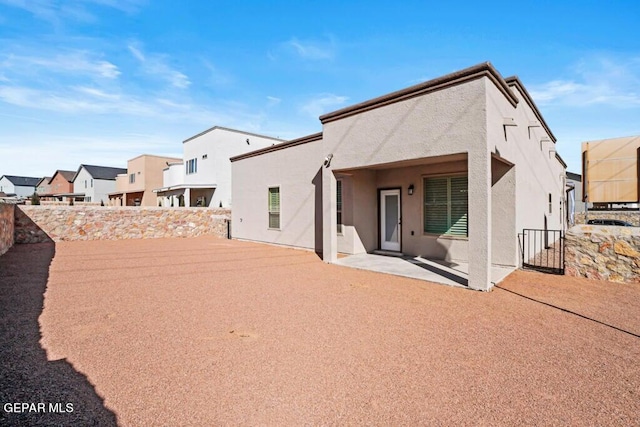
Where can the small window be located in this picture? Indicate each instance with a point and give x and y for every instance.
(339, 206)
(132, 178)
(91, 182)
(550, 204)
(274, 207)
(85, 183)
(204, 156)
(192, 166)
(446, 205)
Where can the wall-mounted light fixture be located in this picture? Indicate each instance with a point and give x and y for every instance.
(410, 189)
(327, 160)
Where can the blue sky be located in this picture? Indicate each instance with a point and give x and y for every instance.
(102, 81)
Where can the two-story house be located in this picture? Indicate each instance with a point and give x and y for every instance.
(94, 183)
(204, 176)
(20, 186)
(144, 174)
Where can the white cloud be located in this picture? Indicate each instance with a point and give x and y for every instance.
(75, 103)
(594, 81)
(84, 101)
(272, 101)
(71, 62)
(97, 93)
(312, 50)
(323, 103)
(58, 11)
(157, 65)
(137, 53)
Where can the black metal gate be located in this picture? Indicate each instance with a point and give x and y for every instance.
(543, 250)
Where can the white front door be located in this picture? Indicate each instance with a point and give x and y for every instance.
(390, 220)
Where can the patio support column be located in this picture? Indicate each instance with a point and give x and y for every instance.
(187, 197)
(479, 193)
(329, 216)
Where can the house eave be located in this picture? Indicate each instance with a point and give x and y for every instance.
(288, 144)
(459, 77)
(229, 130)
(515, 81)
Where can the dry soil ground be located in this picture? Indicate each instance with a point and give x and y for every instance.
(210, 332)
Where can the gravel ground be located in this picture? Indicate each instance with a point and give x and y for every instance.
(206, 332)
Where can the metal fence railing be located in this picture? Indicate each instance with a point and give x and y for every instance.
(543, 250)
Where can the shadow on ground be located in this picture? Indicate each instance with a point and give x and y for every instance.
(26, 376)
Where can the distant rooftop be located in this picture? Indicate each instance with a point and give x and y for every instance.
(22, 181)
(101, 172)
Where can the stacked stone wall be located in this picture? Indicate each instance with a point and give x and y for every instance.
(603, 253)
(6, 226)
(35, 224)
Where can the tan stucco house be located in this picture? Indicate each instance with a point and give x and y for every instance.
(453, 168)
(144, 174)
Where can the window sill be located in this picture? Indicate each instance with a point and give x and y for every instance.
(273, 229)
(446, 236)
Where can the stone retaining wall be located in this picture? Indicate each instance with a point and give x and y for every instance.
(35, 224)
(6, 226)
(603, 253)
(632, 217)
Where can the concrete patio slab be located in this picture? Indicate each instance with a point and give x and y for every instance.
(436, 271)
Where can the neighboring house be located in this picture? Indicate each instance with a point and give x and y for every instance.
(94, 183)
(144, 174)
(43, 187)
(611, 172)
(204, 178)
(20, 186)
(453, 168)
(61, 185)
(172, 192)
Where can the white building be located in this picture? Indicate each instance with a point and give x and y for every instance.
(21, 186)
(204, 177)
(94, 183)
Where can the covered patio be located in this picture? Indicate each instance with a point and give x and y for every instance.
(415, 267)
(439, 217)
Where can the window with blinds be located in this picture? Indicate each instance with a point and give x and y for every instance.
(446, 205)
(274, 207)
(339, 206)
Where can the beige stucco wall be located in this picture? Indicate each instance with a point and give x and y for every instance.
(296, 171)
(148, 171)
(450, 131)
(537, 172)
(360, 207)
(440, 123)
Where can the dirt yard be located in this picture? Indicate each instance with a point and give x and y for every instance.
(207, 331)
